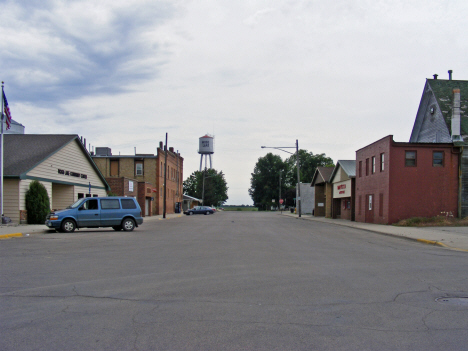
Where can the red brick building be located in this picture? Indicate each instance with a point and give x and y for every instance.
(146, 171)
(396, 181)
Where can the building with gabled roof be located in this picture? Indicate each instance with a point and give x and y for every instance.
(323, 191)
(342, 180)
(60, 162)
(442, 117)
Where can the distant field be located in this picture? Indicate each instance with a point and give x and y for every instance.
(240, 208)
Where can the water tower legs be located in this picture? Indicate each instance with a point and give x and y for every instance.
(206, 161)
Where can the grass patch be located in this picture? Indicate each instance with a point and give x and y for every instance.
(437, 221)
(240, 208)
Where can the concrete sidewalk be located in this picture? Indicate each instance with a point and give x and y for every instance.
(455, 238)
(18, 230)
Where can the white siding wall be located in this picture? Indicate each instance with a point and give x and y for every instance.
(63, 196)
(85, 190)
(11, 206)
(70, 158)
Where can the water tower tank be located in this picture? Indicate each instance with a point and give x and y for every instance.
(206, 145)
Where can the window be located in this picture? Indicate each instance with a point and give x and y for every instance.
(128, 203)
(373, 164)
(91, 205)
(370, 202)
(139, 168)
(108, 204)
(367, 166)
(410, 158)
(382, 162)
(438, 159)
(360, 169)
(80, 195)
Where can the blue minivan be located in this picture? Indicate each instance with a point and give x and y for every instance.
(116, 212)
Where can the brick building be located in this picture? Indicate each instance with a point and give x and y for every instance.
(147, 172)
(396, 181)
(442, 117)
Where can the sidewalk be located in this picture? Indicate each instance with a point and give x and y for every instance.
(18, 230)
(455, 238)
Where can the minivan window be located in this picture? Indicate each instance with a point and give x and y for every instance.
(90, 205)
(128, 203)
(77, 204)
(107, 204)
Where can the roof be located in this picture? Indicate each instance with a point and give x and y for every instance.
(23, 152)
(187, 197)
(443, 92)
(321, 175)
(348, 166)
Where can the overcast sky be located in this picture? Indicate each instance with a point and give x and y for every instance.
(336, 75)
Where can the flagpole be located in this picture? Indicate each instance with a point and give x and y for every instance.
(1, 158)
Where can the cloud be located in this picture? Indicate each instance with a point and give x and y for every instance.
(56, 51)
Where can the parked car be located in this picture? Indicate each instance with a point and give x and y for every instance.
(200, 210)
(116, 212)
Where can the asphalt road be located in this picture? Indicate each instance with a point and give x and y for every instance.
(231, 281)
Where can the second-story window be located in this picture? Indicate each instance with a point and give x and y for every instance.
(438, 159)
(410, 158)
(382, 162)
(373, 164)
(139, 168)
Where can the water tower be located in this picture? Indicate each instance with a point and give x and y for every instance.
(206, 148)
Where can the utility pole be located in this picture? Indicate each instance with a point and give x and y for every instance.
(298, 180)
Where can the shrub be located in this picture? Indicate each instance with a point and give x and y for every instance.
(37, 203)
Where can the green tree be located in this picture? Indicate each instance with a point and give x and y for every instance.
(264, 183)
(37, 203)
(308, 163)
(215, 186)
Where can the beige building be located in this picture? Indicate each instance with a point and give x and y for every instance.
(60, 162)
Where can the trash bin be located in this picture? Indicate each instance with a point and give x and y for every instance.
(292, 209)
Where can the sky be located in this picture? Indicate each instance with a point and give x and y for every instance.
(334, 75)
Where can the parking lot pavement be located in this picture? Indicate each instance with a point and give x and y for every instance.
(455, 238)
(18, 230)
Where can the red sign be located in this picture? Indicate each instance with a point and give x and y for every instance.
(281, 201)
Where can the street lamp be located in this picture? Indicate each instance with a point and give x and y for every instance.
(297, 162)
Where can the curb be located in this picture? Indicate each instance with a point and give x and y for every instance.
(8, 236)
(422, 241)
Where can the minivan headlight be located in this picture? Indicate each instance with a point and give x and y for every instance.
(53, 218)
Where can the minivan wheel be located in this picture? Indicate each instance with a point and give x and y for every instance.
(128, 224)
(68, 226)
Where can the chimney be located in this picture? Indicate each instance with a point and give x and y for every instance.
(435, 76)
(161, 145)
(456, 128)
(171, 149)
(85, 143)
(450, 74)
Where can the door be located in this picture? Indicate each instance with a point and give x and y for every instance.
(89, 214)
(147, 206)
(369, 208)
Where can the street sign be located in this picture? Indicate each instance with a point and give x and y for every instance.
(281, 201)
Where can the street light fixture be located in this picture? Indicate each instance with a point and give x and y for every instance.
(298, 174)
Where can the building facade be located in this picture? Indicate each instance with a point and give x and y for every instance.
(442, 117)
(343, 183)
(396, 181)
(59, 162)
(323, 192)
(147, 169)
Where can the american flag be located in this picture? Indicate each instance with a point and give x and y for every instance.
(6, 110)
